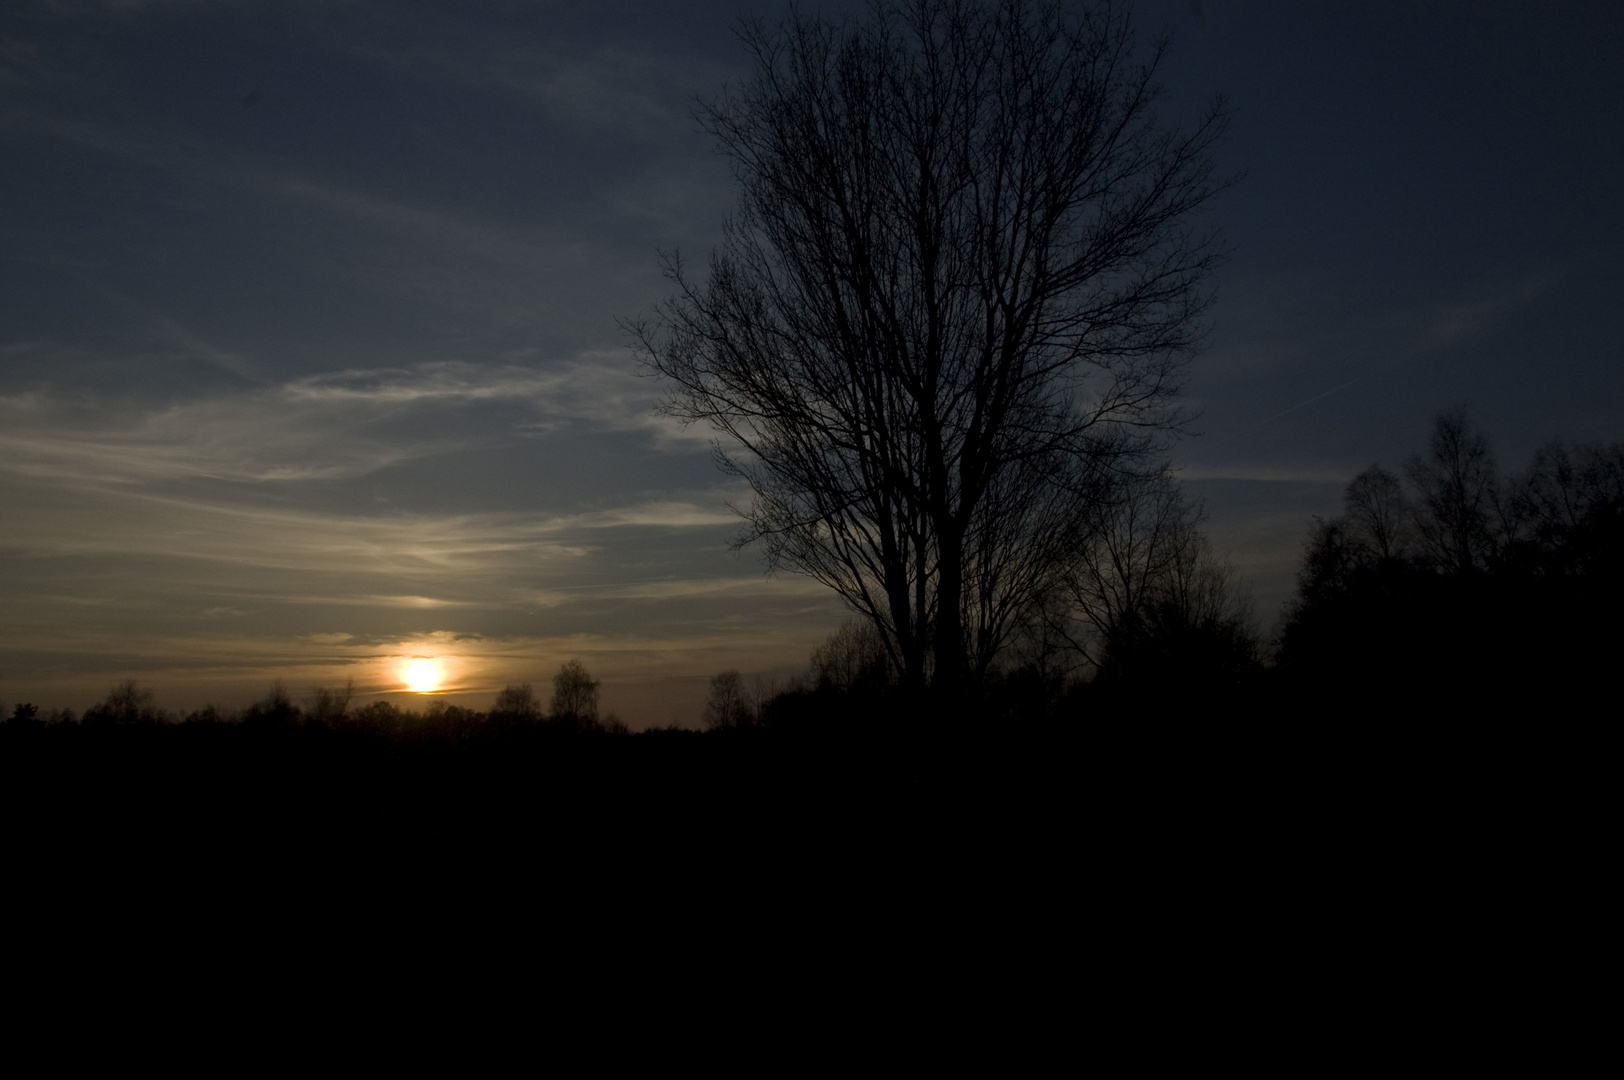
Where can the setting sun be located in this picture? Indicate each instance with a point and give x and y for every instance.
(422, 674)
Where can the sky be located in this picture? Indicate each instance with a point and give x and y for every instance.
(310, 360)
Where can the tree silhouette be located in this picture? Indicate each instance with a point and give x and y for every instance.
(728, 705)
(1511, 588)
(516, 704)
(1565, 513)
(127, 703)
(1379, 514)
(330, 704)
(1146, 599)
(1458, 495)
(955, 302)
(575, 696)
(852, 659)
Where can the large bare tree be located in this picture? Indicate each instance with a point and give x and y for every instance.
(956, 299)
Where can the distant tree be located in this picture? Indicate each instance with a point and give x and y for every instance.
(24, 715)
(1515, 584)
(1378, 514)
(127, 703)
(1457, 512)
(330, 704)
(444, 720)
(275, 709)
(761, 693)
(1146, 598)
(516, 704)
(1128, 548)
(208, 716)
(853, 658)
(379, 717)
(728, 705)
(1566, 511)
(575, 696)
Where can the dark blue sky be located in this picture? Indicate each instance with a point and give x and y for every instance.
(309, 362)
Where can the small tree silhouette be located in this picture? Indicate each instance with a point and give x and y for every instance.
(728, 706)
(1459, 495)
(330, 704)
(275, 709)
(853, 658)
(1378, 514)
(127, 703)
(575, 696)
(516, 704)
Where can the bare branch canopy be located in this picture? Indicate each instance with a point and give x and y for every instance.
(955, 304)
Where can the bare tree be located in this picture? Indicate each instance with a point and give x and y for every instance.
(1562, 511)
(728, 705)
(1131, 542)
(1457, 516)
(851, 658)
(329, 704)
(516, 702)
(1145, 568)
(575, 695)
(127, 703)
(957, 297)
(1564, 485)
(1378, 513)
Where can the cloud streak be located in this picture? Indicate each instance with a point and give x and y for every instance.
(322, 427)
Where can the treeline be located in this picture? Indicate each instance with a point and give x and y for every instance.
(573, 710)
(1455, 581)
(1440, 583)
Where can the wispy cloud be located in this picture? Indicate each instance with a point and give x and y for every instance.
(125, 521)
(1460, 322)
(323, 427)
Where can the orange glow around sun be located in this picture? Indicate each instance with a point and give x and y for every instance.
(422, 674)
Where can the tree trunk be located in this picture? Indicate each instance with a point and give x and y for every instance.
(949, 643)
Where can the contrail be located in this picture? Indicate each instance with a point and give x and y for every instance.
(1295, 407)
